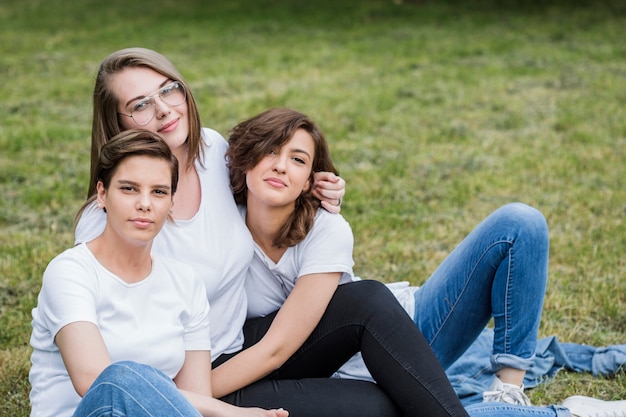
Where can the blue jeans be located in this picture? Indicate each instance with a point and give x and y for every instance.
(499, 270)
(510, 410)
(132, 389)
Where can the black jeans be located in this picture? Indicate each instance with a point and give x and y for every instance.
(362, 316)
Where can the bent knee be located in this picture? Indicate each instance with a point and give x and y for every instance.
(527, 217)
(364, 292)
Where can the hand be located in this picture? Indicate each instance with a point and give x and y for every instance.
(329, 189)
(259, 412)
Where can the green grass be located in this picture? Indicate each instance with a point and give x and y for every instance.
(437, 112)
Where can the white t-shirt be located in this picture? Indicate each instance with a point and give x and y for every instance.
(153, 321)
(327, 248)
(216, 243)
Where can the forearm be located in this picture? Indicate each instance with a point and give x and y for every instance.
(207, 406)
(211, 407)
(245, 368)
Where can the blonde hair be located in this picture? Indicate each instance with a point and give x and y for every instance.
(106, 122)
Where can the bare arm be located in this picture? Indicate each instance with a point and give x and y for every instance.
(194, 382)
(84, 353)
(85, 356)
(329, 189)
(293, 324)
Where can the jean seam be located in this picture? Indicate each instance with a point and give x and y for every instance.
(139, 403)
(469, 277)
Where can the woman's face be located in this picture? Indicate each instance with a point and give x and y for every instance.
(281, 176)
(133, 84)
(139, 198)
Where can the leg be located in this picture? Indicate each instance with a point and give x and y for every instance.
(317, 397)
(364, 316)
(499, 271)
(131, 389)
(511, 410)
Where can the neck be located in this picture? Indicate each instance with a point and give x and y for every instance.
(187, 198)
(264, 223)
(130, 262)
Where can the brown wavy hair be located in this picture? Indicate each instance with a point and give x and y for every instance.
(106, 122)
(253, 139)
(133, 142)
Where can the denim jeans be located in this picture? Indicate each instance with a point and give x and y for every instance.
(361, 316)
(510, 410)
(132, 389)
(499, 270)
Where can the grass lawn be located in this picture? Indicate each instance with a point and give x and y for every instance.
(438, 112)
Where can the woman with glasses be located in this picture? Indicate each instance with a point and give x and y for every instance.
(117, 330)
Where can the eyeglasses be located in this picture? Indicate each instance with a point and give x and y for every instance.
(143, 111)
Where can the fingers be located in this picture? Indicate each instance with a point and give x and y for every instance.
(331, 208)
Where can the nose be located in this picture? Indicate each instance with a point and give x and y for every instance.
(279, 164)
(143, 203)
(161, 108)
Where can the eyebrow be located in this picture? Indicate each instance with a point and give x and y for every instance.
(163, 84)
(298, 150)
(155, 186)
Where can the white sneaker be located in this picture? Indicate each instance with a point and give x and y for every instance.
(505, 393)
(592, 407)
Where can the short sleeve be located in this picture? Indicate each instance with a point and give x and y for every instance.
(328, 247)
(198, 327)
(68, 293)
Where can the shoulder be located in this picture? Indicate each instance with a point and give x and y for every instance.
(90, 225)
(70, 265)
(329, 221)
(330, 230)
(213, 139)
(77, 255)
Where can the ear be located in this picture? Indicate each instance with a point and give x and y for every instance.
(101, 193)
(307, 187)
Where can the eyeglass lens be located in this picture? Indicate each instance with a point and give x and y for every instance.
(144, 110)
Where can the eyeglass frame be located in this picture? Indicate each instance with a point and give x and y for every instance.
(150, 98)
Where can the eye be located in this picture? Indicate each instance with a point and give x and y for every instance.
(142, 105)
(127, 188)
(299, 160)
(169, 89)
(161, 192)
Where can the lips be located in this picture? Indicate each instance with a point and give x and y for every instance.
(168, 127)
(141, 222)
(275, 182)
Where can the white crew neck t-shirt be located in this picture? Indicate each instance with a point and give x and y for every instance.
(153, 321)
(216, 243)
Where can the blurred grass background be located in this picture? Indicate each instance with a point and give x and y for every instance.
(438, 112)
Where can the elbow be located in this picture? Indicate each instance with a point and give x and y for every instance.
(277, 358)
(81, 388)
(83, 382)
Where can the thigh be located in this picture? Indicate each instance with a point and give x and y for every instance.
(317, 397)
(335, 339)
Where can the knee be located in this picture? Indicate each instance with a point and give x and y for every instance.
(365, 288)
(126, 373)
(366, 294)
(525, 218)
